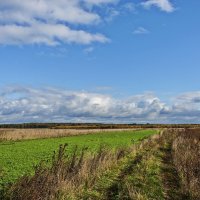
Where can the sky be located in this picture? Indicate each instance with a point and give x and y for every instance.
(110, 61)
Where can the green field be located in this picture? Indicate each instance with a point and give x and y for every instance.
(18, 157)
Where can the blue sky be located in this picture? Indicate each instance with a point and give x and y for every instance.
(144, 56)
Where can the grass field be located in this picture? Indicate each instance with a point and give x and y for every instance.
(132, 165)
(18, 157)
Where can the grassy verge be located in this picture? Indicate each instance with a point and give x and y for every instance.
(137, 176)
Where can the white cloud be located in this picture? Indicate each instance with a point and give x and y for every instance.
(97, 2)
(53, 22)
(23, 104)
(129, 7)
(164, 5)
(47, 21)
(111, 14)
(49, 34)
(140, 30)
(47, 10)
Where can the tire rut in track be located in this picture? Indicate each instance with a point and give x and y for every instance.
(114, 190)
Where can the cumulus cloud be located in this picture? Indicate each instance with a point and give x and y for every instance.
(48, 21)
(54, 22)
(24, 104)
(164, 5)
(50, 34)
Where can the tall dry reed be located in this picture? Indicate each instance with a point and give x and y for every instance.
(186, 157)
(67, 176)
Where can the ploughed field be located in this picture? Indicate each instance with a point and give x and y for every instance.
(18, 158)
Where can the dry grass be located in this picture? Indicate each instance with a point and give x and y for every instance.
(26, 134)
(186, 156)
(68, 176)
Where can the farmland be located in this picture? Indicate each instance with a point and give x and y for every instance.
(156, 164)
(18, 157)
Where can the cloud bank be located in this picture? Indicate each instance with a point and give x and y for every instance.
(25, 104)
(54, 22)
